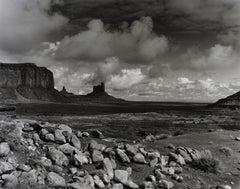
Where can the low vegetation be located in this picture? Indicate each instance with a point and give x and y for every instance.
(207, 163)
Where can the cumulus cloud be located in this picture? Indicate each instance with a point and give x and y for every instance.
(215, 58)
(26, 23)
(184, 80)
(126, 79)
(135, 44)
(203, 88)
(110, 66)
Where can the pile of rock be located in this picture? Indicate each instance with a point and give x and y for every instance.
(43, 155)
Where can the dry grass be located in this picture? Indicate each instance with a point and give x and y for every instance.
(226, 151)
(207, 163)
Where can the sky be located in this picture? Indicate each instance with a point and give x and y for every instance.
(151, 50)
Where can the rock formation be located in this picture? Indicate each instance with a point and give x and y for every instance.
(232, 102)
(99, 88)
(27, 82)
(27, 75)
(99, 94)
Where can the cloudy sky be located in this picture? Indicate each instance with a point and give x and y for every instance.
(164, 50)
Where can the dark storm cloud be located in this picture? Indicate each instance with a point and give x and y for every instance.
(169, 15)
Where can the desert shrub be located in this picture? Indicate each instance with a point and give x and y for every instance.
(178, 133)
(207, 163)
(226, 151)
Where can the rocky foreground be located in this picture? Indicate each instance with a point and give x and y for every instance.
(43, 155)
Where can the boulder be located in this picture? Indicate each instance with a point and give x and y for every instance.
(117, 186)
(76, 142)
(57, 169)
(164, 160)
(139, 158)
(55, 180)
(36, 138)
(64, 127)
(59, 137)
(10, 181)
(178, 169)
(167, 171)
(57, 157)
(177, 158)
(107, 166)
(46, 162)
(97, 156)
(194, 154)
(98, 182)
(152, 178)
(80, 160)
(182, 151)
(85, 134)
(73, 170)
(131, 149)
(66, 149)
(177, 178)
(27, 128)
(67, 136)
(159, 174)
(79, 134)
(4, 149)
(122, 156)
(153, 155)
(131, 184)
(153, 162)
(121, 176)
(129, 170)
(49, 137)
(89, 180)
(96, 146)
(165, 184)
(24, 167)
(5, 167)
(43, 132)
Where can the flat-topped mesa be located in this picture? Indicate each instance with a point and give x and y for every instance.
(26, 75)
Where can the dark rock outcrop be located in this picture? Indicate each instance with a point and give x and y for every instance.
(99, 88)
(99, 94)
(27, 83)
(27, 75)
(232, 102)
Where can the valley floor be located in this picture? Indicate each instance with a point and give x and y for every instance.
(159, 127)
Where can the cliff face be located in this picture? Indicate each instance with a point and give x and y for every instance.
(27, 83)
(25, 75)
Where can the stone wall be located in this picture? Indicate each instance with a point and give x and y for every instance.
(27, 75)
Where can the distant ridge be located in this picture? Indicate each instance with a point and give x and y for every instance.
(232, 102)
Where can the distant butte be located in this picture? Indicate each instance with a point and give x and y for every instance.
(27, 82)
